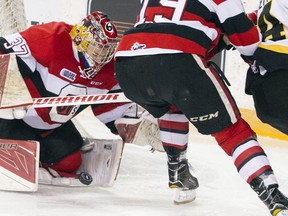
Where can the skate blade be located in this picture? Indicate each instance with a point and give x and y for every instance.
(280, 213)
(181, 196)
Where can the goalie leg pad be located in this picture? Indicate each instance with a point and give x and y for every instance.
(19, 165)
(103, 161)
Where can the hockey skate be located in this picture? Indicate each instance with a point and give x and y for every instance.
(276, 202)
(181, 181)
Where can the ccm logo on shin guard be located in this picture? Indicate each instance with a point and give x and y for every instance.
(204, 117)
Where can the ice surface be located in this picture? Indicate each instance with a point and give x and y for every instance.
(142, 188)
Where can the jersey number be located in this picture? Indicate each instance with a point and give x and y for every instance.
(171, 10)
(270, 27)
(20, 47)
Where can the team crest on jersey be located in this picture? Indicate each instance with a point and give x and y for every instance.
(68, 74)
(137, 46)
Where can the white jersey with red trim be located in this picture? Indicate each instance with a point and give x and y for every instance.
(51, 66)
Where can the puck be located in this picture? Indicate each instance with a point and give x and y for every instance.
(85, 178)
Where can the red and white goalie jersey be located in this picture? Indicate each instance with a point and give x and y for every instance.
(51, 66)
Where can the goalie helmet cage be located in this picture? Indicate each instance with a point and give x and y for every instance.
(13, 17)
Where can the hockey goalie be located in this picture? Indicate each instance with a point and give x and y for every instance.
(95, 163)
(66, 60)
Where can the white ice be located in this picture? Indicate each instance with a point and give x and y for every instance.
(142, 189)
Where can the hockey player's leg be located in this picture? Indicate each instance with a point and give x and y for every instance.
(63, 172)
(268, 92)
(100, 157)
(181, 180)
(239, 142)
(97, 164)
(266, 187)
(60, 157)
(174, 129)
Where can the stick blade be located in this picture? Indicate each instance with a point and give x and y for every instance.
(13, 90)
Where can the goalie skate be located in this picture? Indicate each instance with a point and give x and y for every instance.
(100, 164)
(51, 177)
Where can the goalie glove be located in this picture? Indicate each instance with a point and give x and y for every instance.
(140, 129)
(254, 65)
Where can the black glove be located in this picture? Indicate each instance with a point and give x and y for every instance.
(254, 72)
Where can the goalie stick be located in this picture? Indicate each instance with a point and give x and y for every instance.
(72, 100)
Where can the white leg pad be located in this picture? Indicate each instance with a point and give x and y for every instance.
(19, 165)
(103, 161)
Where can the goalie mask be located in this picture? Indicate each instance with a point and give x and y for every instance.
(96, 38)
